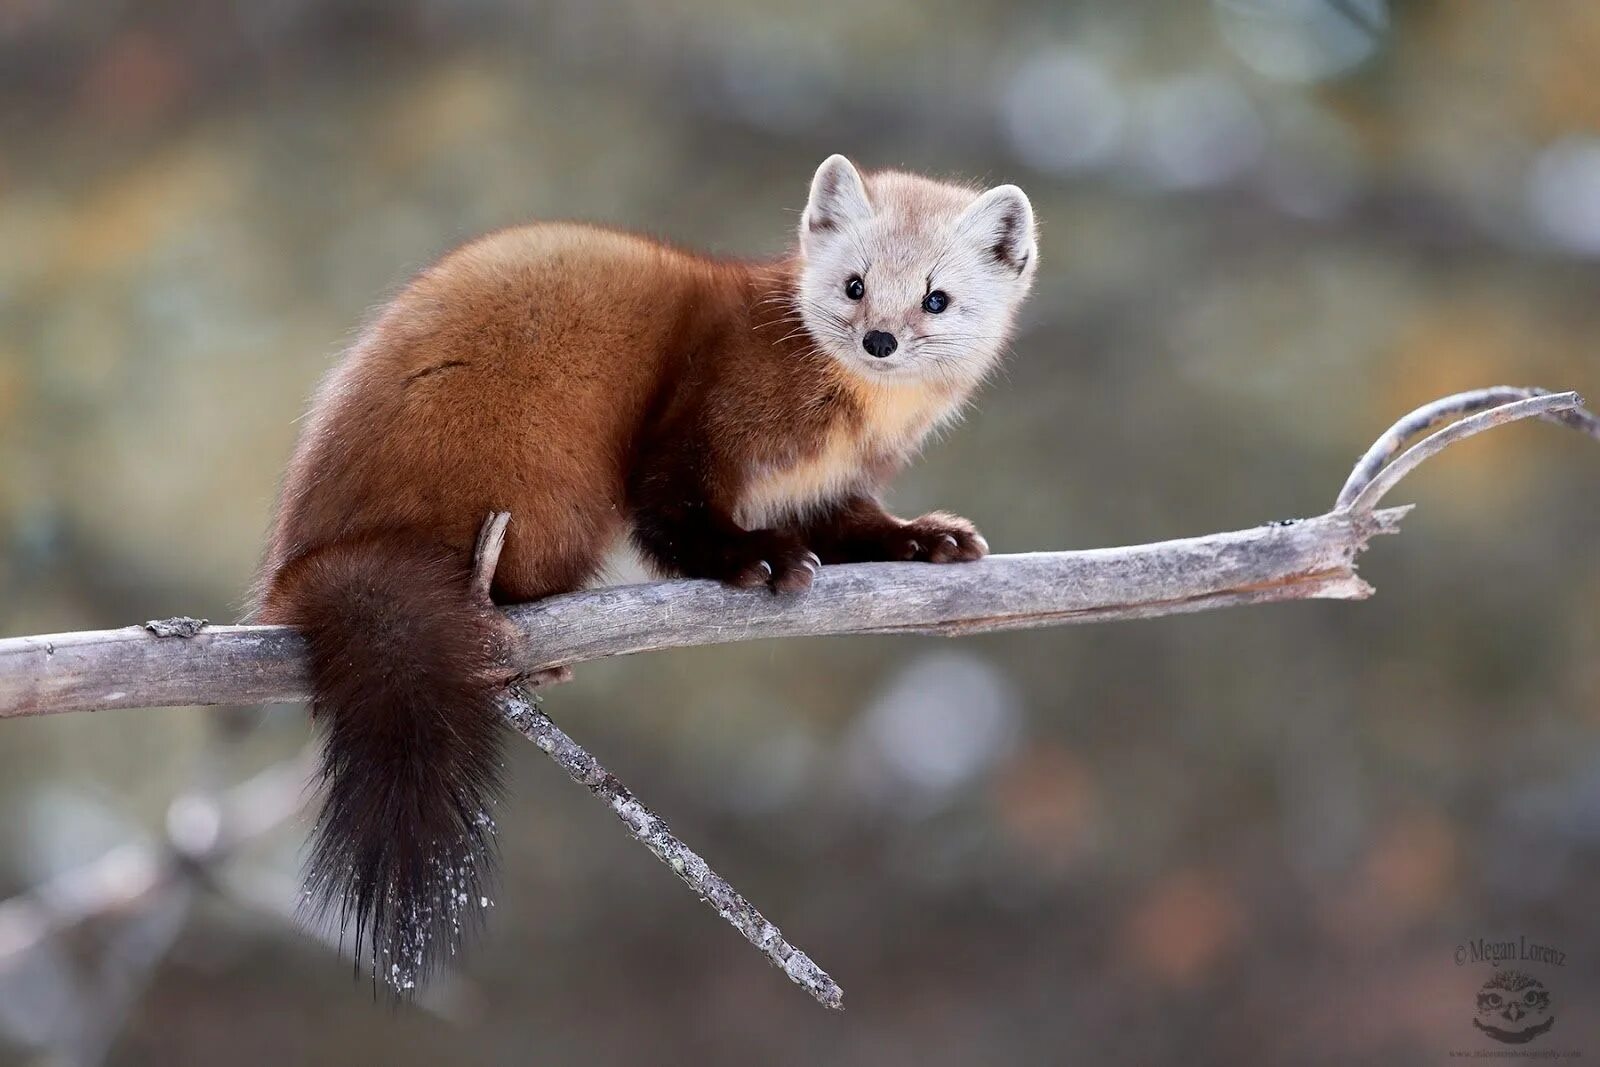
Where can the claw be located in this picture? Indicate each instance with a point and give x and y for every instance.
(754, 574)
(796, 579)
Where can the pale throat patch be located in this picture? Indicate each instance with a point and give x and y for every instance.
(895, 421)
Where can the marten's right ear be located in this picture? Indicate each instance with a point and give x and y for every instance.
(838, 197)
(1001, 220)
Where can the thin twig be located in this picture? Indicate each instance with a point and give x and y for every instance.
(651, 831)
(486, 556)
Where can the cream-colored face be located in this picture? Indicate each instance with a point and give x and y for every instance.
(909, 279)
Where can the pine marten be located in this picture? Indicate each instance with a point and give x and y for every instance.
(736, 418)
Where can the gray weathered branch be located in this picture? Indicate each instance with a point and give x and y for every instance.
(134, 668)
(650, 830)
(190, 663)
(1374, 475)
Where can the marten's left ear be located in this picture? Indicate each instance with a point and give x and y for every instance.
(838, 196)
(1001, 221)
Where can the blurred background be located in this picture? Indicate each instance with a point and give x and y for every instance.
(1269, 227)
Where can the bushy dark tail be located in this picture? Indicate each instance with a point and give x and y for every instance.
(404, 677)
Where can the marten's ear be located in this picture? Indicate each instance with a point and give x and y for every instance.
(838, 196)
(1001, 221)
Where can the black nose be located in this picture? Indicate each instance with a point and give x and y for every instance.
(879, 344)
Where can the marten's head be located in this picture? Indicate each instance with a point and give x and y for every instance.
(905, 277)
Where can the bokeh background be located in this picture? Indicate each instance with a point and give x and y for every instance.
(1269, 228)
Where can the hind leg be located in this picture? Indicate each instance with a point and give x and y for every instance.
(556, 539)
(540, 560)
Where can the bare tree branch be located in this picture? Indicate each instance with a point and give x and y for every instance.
(133, 668)
(158, 665)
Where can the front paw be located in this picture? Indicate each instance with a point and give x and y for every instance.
(766, 557)
(938, 537)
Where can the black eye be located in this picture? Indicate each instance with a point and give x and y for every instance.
(935, 302)
(855, 288)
